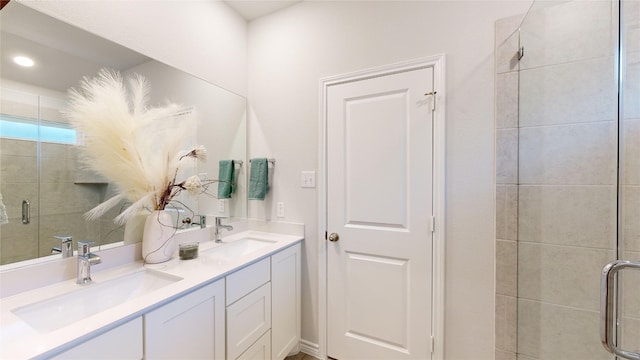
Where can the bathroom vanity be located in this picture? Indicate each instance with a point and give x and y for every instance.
(236, 300)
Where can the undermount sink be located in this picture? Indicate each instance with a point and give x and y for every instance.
(62, 310)
(238, 248)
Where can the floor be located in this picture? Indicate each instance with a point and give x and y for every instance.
(300, 356)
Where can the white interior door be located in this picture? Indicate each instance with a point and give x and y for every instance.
(380, 205)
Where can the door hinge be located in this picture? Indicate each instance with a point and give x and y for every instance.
(433, 99)
(433, 344)
(432, 224)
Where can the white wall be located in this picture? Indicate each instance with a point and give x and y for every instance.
(289, 51)
(204, 38)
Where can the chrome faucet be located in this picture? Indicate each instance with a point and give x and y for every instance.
(216, 231)
(66, 246)
(202, 223)
(85, 260)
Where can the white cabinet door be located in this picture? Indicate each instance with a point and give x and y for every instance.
(247, 320)
(285, 300)
(260, 350)
(191, 327)
(123, 342)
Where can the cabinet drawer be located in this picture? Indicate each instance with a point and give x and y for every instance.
(247, 320)
(248, 279)
(260, 350)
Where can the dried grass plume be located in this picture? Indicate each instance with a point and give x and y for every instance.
(137, 147)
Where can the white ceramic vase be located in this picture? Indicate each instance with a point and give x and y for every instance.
(157, 239)
(134, 228)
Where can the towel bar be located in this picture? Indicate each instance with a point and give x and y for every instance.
(272, 161)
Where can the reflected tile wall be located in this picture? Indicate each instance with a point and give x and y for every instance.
(18, 182)
(58, 203)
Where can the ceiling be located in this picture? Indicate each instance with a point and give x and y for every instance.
(253, 9)
(63, 54)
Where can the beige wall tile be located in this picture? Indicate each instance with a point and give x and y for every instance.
(14, 194)
(507, 267)
(630, 334)
(506, 323)
(631, 23)
(18, 242)
(66, 197)
(505, 355)
(506, 212)
(631, 85)
(631, 288)
(524, 357)
(563, 275)
(631, 151)
(18, 147)
(18, 169)
(507, 100)
(568, 215)
(568, 93)
(553, 332)
(110, 232)
(630, 197)
(581, 154)
(507, 156)
(569, 32)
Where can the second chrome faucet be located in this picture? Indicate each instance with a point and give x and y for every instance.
(85, 259)
(216, 231)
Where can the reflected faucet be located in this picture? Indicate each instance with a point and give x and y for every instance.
(85, 260)
(202, 223)
(216, 231)
(66, 246)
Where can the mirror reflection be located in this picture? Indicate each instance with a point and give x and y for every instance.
(44, 188)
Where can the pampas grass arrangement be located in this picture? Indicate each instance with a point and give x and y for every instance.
(138, 148)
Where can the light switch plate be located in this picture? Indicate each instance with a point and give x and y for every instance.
(308, 179)
(221, 206)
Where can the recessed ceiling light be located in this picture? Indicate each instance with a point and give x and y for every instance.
(23, 61)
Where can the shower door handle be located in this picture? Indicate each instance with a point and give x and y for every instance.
(26, 212)
(607, 316)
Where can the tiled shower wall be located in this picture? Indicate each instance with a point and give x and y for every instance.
(506, 320)
(556, 155)
(58, 191)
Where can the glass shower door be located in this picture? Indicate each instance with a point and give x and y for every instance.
(578, 176)
(19, 175)
(627, 319)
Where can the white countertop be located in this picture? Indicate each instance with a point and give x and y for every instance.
(18, 340)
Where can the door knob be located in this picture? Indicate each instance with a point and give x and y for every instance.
(333, 237)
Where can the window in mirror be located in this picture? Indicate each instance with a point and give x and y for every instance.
(17, 128)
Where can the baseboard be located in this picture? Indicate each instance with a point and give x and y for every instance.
(310, 348)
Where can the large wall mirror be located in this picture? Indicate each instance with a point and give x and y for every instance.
(44, 188)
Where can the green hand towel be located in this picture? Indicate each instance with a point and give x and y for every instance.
(227, 180)
(258, 179)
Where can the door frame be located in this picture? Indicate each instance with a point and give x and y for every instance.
(437, 62)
